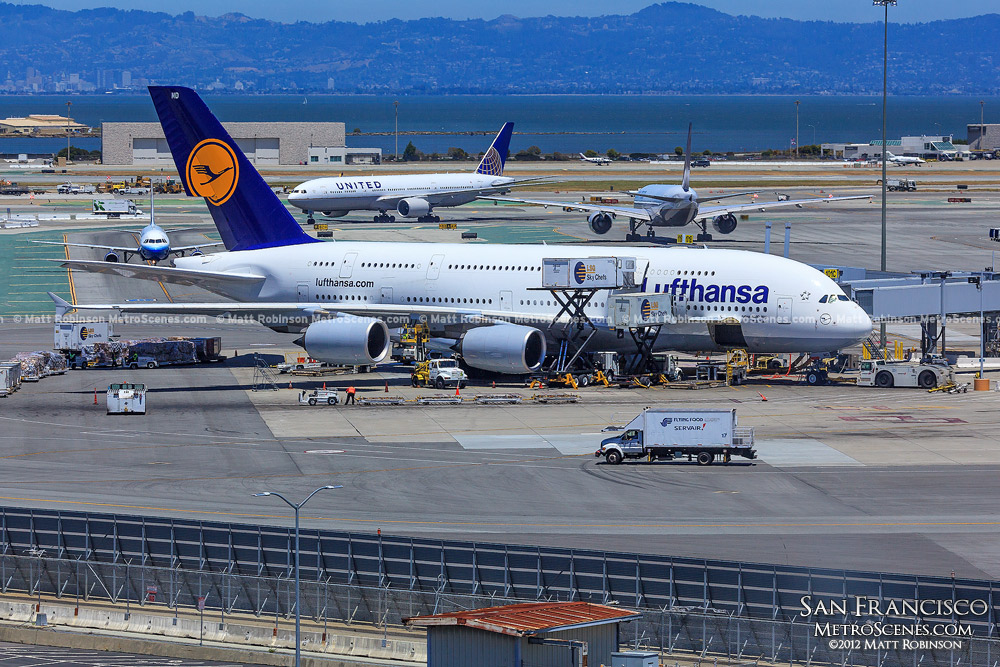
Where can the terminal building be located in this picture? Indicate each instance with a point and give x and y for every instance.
(928, 147)
(143, 144)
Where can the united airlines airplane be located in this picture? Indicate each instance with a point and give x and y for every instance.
(481, 300)
(410, 195)
(153, 244)
(661, 205)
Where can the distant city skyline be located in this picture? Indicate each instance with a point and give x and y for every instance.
(909, 11)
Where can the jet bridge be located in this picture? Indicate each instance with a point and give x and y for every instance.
(930, 298)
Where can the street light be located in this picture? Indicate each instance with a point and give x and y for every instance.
(395, 106)
(68, 105)
(885, 92)
(982, 125)
(796, 129)
(297, 507)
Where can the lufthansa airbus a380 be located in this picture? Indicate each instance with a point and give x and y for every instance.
(409, 195)
(482, 300)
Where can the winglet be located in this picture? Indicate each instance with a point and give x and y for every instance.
(62, 305)
(496, 155)
(686, 182)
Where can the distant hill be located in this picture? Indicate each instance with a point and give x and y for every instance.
(665, 48)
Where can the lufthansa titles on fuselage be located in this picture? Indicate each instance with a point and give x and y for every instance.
(692, 290)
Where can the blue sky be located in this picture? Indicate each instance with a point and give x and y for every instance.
(375, 10)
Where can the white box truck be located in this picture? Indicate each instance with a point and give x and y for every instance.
(126, 399)
(115, 208)
(699, 435)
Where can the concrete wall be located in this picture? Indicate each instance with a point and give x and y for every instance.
(985, 141)
(153, 633)
(269, 143)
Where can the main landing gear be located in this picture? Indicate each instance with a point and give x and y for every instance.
(649, 237)
(384, 217)
(428, 218)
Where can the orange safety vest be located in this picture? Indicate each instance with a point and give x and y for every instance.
(350, 390)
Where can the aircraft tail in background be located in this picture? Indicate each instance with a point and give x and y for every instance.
(496, 156)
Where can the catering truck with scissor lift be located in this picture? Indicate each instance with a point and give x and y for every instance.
(666, 435)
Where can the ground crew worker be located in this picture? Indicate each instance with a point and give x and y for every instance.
(350, 395)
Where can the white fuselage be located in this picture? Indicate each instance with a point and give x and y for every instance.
(380, 193)
(154, 244)
(776, 300)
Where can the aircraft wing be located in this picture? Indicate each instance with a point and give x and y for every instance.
(236, 285)
(437, 195)
(91, 245)
(185, 248)
(712, 211)
(627, 211)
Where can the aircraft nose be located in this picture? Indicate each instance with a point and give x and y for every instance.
(856, 324)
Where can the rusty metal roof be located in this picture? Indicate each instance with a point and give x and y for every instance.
(529, 618)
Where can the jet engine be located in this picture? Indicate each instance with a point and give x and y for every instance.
(600, 223)
(413, 207)
(504, 348)
(196, 253)
(347, 340)
(112, 257)
(724, 224)
(335, 214)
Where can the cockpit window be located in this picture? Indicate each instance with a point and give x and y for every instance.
(824, 298)
(833, 298)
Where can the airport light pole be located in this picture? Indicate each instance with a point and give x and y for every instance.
(68, 105)
(395, 105)
(796, 129)
(298, 615)
(982, 125)
(885, 93)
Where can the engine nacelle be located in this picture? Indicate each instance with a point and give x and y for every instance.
(413, 207)
(335, 214)
(724, 224)
(504, 348)
(112, 257)
(600, 222)
(196, 253)
(347, 340)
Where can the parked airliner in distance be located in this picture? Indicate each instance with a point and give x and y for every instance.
(480, 300)
(153, 244)
(409, 195)
(660, 205)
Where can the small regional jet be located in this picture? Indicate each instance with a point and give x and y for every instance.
(153, 244)
(902, 159)
(409, 195)
(659, 205)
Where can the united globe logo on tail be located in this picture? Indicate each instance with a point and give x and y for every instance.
(580, 273)
(212, 171)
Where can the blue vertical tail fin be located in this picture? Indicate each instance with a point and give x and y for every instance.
(496, 156)
(246, 211)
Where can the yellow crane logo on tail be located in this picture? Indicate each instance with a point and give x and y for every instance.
(213, 171)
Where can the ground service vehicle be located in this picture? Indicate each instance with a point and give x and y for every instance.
(115, 208)
(879, 373)
(126, 399)
(317, 396)
(702, 435)
(899, 185)
(439, 373)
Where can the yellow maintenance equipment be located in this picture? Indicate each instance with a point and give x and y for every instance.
(737, 366)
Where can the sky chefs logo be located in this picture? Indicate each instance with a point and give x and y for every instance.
(213, 171)
(85, 333)
(692, 290)
(645, 309)
(580, 273)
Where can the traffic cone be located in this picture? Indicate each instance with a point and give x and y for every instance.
(456, 391)
(289, 384)
(324, 386)
(95, 395)
(763, 398)
(494, 384)
(387, 386)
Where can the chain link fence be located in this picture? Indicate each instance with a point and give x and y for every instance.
(704, 633)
